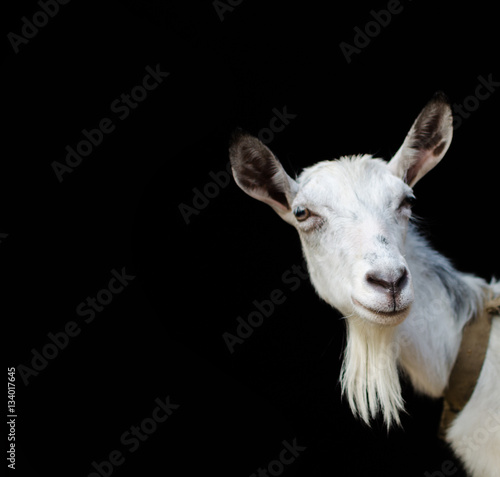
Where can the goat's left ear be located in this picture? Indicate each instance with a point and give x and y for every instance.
(426, 143)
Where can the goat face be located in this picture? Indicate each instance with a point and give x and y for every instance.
(352, 214)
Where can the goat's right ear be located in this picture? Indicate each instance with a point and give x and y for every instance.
(258, 173)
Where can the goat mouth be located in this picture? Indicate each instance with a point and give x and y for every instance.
(393, 317)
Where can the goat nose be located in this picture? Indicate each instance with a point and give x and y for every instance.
(388, 281)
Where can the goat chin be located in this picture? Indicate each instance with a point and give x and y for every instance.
(369, 377)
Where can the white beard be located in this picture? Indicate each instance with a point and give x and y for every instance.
(369, 374)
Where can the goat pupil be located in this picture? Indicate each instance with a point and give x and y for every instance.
(299, 212)
(410, 200)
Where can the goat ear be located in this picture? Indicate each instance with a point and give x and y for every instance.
(258, 173)
(426, 143)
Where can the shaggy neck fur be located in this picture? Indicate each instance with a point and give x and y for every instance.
(424, 347)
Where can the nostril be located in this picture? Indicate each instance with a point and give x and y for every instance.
(401, 281)
(375, 279)
(388, 282)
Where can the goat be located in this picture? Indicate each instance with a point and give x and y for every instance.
(406, 306)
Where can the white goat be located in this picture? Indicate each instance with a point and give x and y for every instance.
(405, 304)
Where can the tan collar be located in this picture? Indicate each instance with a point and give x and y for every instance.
(467, 367)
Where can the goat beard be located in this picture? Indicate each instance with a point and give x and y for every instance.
(369, 376)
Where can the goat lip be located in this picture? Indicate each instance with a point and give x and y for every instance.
(380, 316)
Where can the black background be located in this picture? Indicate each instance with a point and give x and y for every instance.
(162, 335)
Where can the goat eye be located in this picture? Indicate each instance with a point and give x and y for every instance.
(408, 201)
(301, 213)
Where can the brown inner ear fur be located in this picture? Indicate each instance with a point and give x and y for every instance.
(257, 171)
(424, 157)
(427, 140)
(439, 149)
